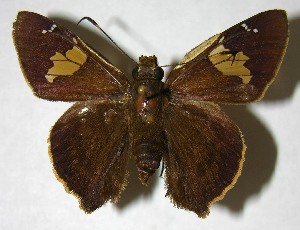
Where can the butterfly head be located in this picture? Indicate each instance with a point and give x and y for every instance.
(148, 69)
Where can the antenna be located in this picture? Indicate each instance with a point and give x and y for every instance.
(95, 24)
(179, 64)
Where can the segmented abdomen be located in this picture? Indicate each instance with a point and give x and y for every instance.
(149, 139)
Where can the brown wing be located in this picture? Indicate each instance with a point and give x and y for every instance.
(235, 66)
(58, 65)
(205, 155)
(88, 147)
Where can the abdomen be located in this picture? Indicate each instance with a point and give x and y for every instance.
(149, 141)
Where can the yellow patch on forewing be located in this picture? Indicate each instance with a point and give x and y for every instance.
(58, 56)
(63, 68)
(66, 65)
(76, 55)
(231, 64)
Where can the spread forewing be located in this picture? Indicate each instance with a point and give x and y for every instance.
(236, 66)
(58, 65)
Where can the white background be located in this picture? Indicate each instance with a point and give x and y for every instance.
(267, 195)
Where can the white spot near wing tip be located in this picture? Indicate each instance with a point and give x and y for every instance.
(51, 29)
(249, 29)
(85, 109)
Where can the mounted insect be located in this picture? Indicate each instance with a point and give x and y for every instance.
(176, 121)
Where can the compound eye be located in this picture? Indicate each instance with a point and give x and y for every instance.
(159, 73)
(135, 72)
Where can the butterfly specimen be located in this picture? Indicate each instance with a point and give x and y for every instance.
(176, 121)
